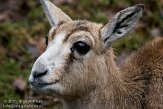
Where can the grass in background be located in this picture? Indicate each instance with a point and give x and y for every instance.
(16, 60)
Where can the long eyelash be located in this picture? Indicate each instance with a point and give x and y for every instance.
(46, 40)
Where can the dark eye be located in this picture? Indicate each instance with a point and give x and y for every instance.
(81, 47)
(46, 40)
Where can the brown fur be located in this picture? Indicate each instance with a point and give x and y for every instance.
(136, 85)
(145, 71)
(93, 80)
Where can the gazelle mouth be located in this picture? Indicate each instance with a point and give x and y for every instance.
(36, 84)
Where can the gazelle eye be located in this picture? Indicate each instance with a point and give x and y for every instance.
(81, 47)
(46, 40)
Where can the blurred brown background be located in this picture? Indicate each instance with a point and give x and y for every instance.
(23, 26)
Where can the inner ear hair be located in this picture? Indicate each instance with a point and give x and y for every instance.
(121, 23)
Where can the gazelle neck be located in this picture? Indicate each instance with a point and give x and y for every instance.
(111, 94)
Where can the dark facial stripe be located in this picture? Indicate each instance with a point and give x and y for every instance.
(81, 23)
(69, 62)
(80, 28)
(54, 32)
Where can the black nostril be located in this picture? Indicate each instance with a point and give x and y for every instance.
(39, 74)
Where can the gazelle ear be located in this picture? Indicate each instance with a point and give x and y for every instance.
(121, 24)
(53, 13)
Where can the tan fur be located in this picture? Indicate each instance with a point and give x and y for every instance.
(93, 80)
(145, 72)
(97, 83)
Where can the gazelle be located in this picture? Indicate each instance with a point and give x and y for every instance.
(78, 65)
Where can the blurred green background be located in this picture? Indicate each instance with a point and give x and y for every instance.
(23, 26)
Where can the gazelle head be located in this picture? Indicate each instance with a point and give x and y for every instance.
(77, 50)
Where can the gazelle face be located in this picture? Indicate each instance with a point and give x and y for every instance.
(76, 50)
(70, 45)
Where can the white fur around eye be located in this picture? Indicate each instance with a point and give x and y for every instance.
(96, 82)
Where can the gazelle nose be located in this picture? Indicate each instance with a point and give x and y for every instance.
(37, 74)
